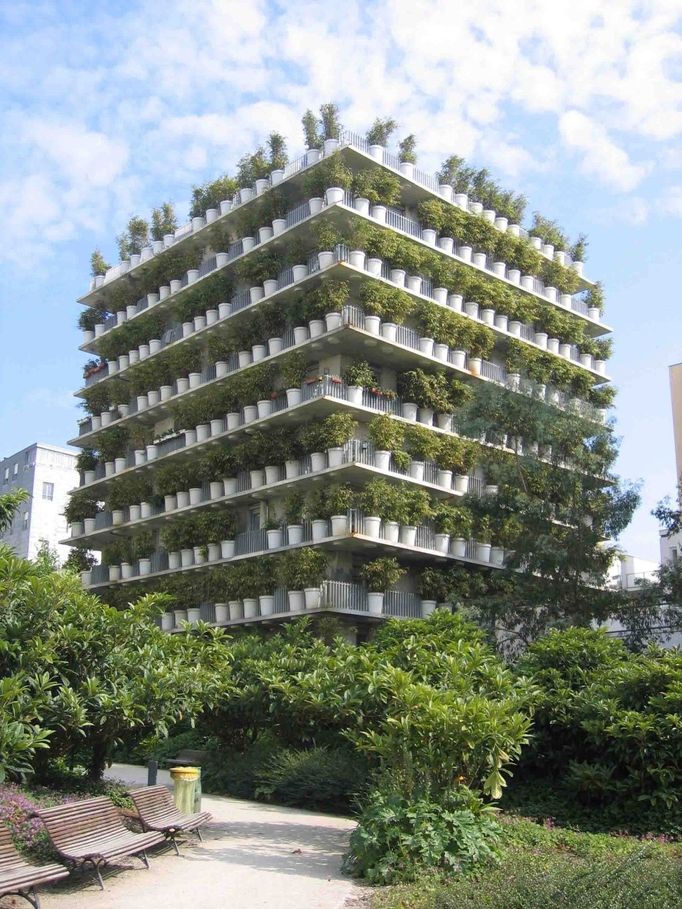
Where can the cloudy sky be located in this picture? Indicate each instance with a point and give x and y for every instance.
(109, 109)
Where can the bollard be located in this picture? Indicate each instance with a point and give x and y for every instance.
(185, 785)
(152, 770)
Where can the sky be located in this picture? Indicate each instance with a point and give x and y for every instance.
(108, 109)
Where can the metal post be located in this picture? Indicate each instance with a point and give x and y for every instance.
(152, 769)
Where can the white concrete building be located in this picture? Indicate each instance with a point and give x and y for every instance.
(47, 472)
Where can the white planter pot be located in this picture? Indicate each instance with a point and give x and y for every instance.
(428, 606)
(425, 416)
(89, 525)
(377, 152)
(333, 320)
(442, 542)
(417, 470)
(316, 328)
(541, 339)
(294, 534)
(190, 437)
(318, 460)
(429, 236)
(459, 358)
(339, 525)
(300, 334)
(382, 459)
(312, 596)
(275, 538)
(391, 531)
(230, 485)
(335, 457)
(372, 324)
(226, 549)
(265, 233)
(167, 621)
(109, 468)
(194, 379)
(216, 489)
(444, 421)
(248, 243)
(222, 613)
(244, 357)
(376, 603)
(409, 411)
(250, 607)
(372, 526)
(408, 535)
(483, 552)
(296, 600)
(174, 560)
(594, 313)
(179, 616)
(256, 294)
(465, 253)
(224, 310)
(199, 555)
(414, 282)
(170, 502)
(445, 479)
(293, 397)
(119, 464)
(145, 510)
(325, 259)
(354, 394)
(182, 497)
(236, 610)
(267, 604)
(264, 408)
(488, 316)
(292, 469)
(334, 194)
(356, 258)
(203, 432)
(126, 570)
(361, 205)
(315, 204)
(257, 478)
(275, 346)
(250, 413)
(89, 476)
(374, 266)
(320, 529)
(135, 512)
(398, 276)
(77, 529)
(217, 427)
(389, 331)
(278, 226)
(426, 346)
(270, 286)
(145, 566)
(272, 474)
(456, 302)
(447, 244)
(475, 365)
(259, 352)
(186, 557)
(459, 547)
(123, 362)
(407, 169)
(553, 345)
(471, 309)
(106, 415)
(461, 483)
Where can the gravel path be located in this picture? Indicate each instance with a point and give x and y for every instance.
(253, 857)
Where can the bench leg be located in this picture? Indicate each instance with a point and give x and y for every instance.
(174, 841)
(201, 839)
(143, 857)
(30, 896)
(99, 875)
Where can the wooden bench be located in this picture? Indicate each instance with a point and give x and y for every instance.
(92, 832)
(157, 811)
(19, 877)
(188, 757)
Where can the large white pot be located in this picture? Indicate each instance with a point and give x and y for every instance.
(459, 547)
(267, 604)
(408, 535)
(376, 603)
(339, 525)
(320, 529)
(335, 457)
(318, 460)
(483, 552)
(372, 526)
(226, 549)
(354, 393)
(250, 607)
(296, 600)
(409, 411)
(275, 538)
(312, 597)
(382, 459)
(294, 534)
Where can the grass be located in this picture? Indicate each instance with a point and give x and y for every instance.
(544, 867)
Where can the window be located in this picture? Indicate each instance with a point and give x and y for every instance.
(25, 520)
(16, 469)
(6, 476)
(48, 491)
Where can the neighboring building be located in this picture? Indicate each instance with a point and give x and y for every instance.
(48, 473)
(219, 367)
(671, 547)
(628, 572)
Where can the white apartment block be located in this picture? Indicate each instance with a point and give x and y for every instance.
(48, 473)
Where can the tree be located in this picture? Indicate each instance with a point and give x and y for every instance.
(133, 238)
(277, 151)
(311, 130)
(407, 148)
(381, 130)
(211, 194)
(97, 264)
(330, 121)
(10, 503)
(77, 675)
(163, 221)
(552, 514)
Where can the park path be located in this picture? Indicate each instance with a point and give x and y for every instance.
(253, 857)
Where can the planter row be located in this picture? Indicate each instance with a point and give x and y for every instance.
(314, 329)
(228, 487)
(315, 531)
(380, 213)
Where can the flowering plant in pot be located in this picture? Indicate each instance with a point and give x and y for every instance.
(379, 576)
(434, 587)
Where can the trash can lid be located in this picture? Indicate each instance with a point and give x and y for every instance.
(185, 773)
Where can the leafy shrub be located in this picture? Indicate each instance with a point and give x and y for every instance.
(398, 838)
(322, 778)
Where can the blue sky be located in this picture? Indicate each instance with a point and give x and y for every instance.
(110, 109)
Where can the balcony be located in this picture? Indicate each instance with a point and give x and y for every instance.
(342, 597)
(358, 533)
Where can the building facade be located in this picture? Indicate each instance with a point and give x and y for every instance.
(274, 410)
(48, 473)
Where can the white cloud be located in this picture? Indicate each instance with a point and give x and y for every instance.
(110, 115)
(600, 155)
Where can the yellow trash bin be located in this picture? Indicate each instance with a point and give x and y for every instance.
(186, 788)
